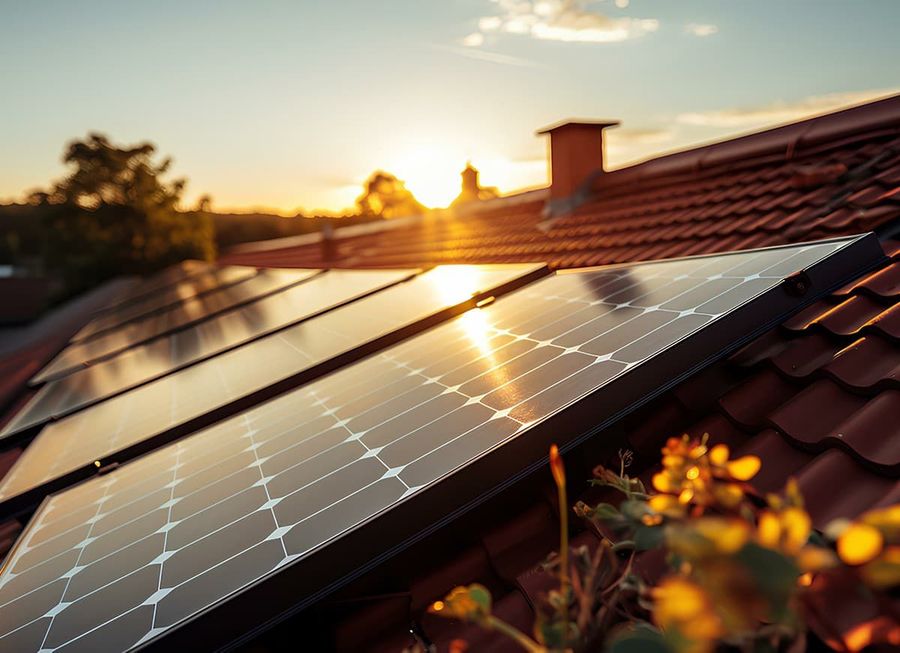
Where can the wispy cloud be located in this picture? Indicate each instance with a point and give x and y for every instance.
(472, 52)
(629, 145)
(474, 40)
(640, 136)
(701, 29)
(779, 112)
(561, 20)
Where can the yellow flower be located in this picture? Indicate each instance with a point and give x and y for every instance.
(884, 571)
(872, 543)
(700, 476)
(886, 520)
(814, 558)
(683, 609)
(707, 536)
(859, 543)
(666, 504)
(784, 530)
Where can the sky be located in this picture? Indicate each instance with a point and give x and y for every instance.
(288, 105)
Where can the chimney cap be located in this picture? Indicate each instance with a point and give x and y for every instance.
(572, 122)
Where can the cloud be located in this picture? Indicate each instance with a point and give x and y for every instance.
(779, 112)
(563, 20)
(701, 29)
(640, 136)
(472, 52)
(474, 40)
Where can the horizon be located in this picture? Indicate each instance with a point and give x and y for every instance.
(283, 108)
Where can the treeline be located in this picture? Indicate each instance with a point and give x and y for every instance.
(23, 234)
(117, 212)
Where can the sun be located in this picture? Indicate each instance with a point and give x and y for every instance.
(430, 172)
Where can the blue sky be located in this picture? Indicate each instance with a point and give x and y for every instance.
(290, 105)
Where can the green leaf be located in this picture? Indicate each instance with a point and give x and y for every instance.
(605, 511)
(774, 574)
(634, 509)
(481, 596)
(640, 639)
(648, 537)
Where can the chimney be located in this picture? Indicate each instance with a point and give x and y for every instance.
(576, 153)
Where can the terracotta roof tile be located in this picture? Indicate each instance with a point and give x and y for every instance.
(866, 363)
(819, 412)
(887, 322)
(782, 460)
(750, 404)
(841, 488)
(844, 318)
(882, 283)
(805, 355)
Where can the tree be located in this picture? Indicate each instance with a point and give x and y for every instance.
(114, 214)
(385, 196)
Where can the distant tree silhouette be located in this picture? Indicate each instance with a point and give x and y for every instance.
(114, 214)
(385, 196)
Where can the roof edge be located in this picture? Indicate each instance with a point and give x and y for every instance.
(788, 141)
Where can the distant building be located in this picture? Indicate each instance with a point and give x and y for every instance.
(471, 190)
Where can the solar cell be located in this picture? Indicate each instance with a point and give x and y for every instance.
(165, 355)
(173, 405)
(264, 511)
(187, 313)
(193, 286)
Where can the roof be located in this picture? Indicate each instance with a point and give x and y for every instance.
(833, 175)
(811, 397)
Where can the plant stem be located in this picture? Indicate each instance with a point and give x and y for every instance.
(564, 557)
(516, 635)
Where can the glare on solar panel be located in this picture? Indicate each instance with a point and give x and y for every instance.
(185, 314)
(167, 277)
(168, 354)
(194, 286)
(273, 506)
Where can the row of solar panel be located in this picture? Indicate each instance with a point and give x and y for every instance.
(367, 431)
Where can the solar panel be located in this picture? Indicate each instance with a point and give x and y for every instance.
(178, 350)
(162, 298)
(170, 275)
(212, 536)
(187, 313)
(174, 405)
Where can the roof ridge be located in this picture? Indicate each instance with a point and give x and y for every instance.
(784, 142)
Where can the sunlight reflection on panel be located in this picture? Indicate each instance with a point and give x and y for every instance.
(456, 283)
